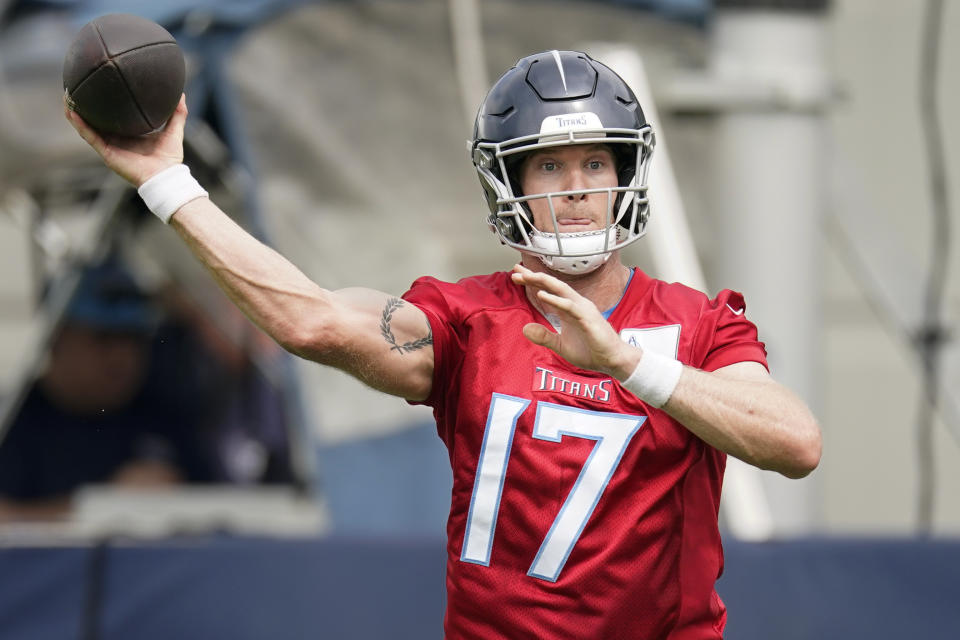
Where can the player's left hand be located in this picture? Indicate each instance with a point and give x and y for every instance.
(586, 339)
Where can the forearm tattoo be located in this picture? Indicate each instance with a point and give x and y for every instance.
(392, 305)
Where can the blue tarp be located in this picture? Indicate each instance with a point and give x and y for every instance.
(359, 588)
(842, 589)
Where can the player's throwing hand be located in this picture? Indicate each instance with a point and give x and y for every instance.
(586, 339)
(137, 158)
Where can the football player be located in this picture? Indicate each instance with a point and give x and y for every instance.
(588, 407)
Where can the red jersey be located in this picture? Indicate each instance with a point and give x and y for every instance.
(577, 510)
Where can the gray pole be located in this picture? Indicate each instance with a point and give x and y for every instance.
(770, 198)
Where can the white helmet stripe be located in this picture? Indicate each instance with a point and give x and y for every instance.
(563, 77)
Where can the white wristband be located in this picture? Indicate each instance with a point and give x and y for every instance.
(164, 193)
(654, 379)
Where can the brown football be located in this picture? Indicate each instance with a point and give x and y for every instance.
(124, 74)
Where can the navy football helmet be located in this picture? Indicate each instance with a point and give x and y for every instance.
(562, 98)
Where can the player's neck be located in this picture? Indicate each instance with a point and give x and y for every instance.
(604, 286)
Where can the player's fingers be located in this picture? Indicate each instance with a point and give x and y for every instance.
(579, 309)
(557, 302)
(74, 118)
(554, 294)
(545, 281)
(523, 277)
(86, 132)
(519, 275)
(180, 113)
(178, 119)
(540, 335)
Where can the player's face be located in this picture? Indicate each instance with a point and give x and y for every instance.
(569, 168)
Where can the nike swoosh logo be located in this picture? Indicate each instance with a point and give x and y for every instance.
(735, 312)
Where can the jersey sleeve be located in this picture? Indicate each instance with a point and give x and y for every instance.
(426, 294)
(726, 335)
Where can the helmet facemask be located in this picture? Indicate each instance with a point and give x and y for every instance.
(627, 207)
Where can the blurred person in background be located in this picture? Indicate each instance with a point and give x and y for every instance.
(588, 408)
(91, 417)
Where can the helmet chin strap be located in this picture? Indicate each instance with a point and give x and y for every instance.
(589, 245)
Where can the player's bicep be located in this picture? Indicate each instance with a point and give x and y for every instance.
(385, 342)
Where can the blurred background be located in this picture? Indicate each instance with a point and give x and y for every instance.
(806, 156)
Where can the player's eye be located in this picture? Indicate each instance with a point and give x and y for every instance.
(595, 165)
(548, 165)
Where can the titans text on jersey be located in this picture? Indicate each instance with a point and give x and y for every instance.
(547, 380)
